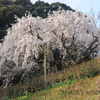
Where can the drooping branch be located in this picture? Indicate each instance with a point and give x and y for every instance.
(70, 50)
(89, 50)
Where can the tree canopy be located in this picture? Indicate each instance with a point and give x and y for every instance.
(42, 9)
(9, 8)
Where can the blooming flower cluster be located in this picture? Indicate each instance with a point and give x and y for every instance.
(23, 97)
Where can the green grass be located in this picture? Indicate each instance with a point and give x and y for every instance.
(25, 95)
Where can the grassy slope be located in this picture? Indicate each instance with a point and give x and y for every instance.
(79, 91)
(83, 89)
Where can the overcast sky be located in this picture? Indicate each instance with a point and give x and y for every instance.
(81, 5)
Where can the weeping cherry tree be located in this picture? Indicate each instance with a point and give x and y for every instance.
(69, 38)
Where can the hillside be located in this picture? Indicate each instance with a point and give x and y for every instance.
(87, 87)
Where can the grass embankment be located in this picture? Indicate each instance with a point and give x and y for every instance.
(87, 89)
(74, 83)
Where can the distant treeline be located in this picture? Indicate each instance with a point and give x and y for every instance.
(9, 8)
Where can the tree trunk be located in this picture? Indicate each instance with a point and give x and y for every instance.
(44, 63)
